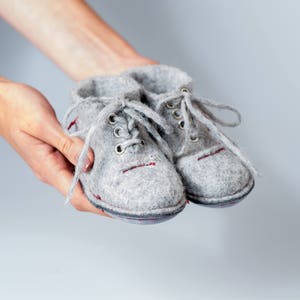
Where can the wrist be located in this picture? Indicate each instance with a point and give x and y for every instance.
(7, 91)
(124, 63)
(4, 86)
(115, 65)
(2, 110)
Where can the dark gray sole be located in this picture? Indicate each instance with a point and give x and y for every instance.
(144, 219)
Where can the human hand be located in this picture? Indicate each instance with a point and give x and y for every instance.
(29, 125)
(84, 48)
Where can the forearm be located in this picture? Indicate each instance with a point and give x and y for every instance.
(72, 35)
(4, 85)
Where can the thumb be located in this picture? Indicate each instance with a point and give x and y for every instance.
(70, 147)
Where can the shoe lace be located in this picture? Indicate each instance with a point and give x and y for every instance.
(136, 112)
(197, 107)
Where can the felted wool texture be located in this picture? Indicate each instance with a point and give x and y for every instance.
(139, 183)
(158, 82)
(215, 173)
(216, 178)
(105, 88)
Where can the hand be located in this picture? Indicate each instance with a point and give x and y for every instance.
(84, 48)
(29, 124)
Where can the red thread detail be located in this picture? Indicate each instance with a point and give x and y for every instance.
(210, 154)
(187, 201)
(97, 197)
(152, 163)
(72, 123)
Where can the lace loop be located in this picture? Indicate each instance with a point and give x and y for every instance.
(197, 107)
(135, 111)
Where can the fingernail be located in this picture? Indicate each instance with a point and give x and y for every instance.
(87, 164)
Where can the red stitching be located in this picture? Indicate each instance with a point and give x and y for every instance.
(210, 154)
(152, 163)
(97, 197)
(72, 123)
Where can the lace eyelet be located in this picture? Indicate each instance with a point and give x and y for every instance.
(142, 142)
(181, 125)
(119, 149)
(170, 105)
(176, 115)
(194, 139)
(185, 90)
(117, 131)
(112, 119)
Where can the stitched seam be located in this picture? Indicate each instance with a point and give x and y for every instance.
(72, 123)
(211, 154)
(140, 166)
(98, 197)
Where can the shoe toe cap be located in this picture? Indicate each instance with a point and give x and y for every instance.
(216, 177)
(144, 191)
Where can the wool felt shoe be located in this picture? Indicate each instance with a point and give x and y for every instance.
(213, 169)
(132, 178)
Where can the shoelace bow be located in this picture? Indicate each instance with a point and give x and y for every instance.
(137, 112)
(201, 113)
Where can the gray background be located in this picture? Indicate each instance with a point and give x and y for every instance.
(244, 53)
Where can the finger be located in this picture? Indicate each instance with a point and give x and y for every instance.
(70, 147)
(79, 200)
(61, 178)
(2, 79)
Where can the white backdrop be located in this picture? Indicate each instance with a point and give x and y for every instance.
(244, 53)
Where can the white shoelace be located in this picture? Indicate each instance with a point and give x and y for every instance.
(137, 113)
(206, 118)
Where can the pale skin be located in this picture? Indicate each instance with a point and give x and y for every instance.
(83, 45)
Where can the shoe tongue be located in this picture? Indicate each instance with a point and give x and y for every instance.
(133, 95)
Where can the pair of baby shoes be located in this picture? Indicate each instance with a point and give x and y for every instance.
(155, 145)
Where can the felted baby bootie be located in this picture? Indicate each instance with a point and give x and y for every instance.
(213, 169)
(132, 177)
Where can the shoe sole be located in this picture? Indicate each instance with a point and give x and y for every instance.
(221, 202)
(143, 219)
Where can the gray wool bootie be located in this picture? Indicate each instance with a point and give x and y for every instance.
(132, 177)
(213, 169)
